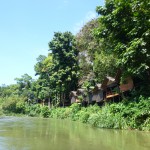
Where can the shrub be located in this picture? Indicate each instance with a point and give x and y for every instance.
(1, 112)
(9, 105)
(20, 107)
(33, 110)
(84, 116)
(45, 111)
(126, 114)
(94, 119)
(75, 107)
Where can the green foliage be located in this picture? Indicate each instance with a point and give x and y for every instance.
(74, 111)
(58, 72)
(104, 64)
(33, 110)
(64, 72)
(1, 112)
(43, 65)
(128, 114)
(20, 107)
(121, 38)
(75, 107)
(24, 82)
(9, 105)
(6, 91)
(84, 116)
(60, 113)
(85, 39)
(95, 61)
(45, 112)
(94, 120)
(80, 98)
(87, 46)
(125, 31)
(13, 104)
(124, 115)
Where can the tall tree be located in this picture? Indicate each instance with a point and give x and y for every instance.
(87, 45)
(43, 86)
(126, 32)
(94, 61)
(24, 85)
(86, 41)
(65, 66)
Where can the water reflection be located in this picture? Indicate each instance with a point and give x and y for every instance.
(45, 134)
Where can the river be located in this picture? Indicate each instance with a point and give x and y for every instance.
(50, 134)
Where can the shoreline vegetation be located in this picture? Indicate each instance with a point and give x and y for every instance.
(118, 39)
(128, 114)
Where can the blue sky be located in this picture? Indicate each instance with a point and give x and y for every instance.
(27, 26)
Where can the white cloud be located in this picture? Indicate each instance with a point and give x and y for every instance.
(89, 16)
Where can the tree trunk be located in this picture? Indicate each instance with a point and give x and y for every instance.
(49, 103)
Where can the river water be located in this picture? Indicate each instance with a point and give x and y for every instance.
(50, 134)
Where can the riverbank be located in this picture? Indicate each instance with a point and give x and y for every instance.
(128, 114)
(123, 115)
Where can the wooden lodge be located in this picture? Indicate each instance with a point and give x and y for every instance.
(110, 89)
(99, 92)
(73, 96)
(127, 86)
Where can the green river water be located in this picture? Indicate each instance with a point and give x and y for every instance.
(49, 134)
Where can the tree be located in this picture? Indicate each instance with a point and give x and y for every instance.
(104, 65)
(126, 33)
(24, 85)
(43, 68)
(94, 61)
(64, 72)
(39, 65)
(6, 91)
(87, 46)
(86, 42)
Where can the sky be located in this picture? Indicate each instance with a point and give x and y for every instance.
(27, 26)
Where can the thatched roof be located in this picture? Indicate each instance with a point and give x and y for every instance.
(114, 80)
(73, 94)
(98, 85)
(101, 86)
(104, 83)
(81, 91)
(110, 80)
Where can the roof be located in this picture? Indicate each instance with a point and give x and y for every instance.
(116, 79)
(80, 91)
(73, 93)
(110, 80)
